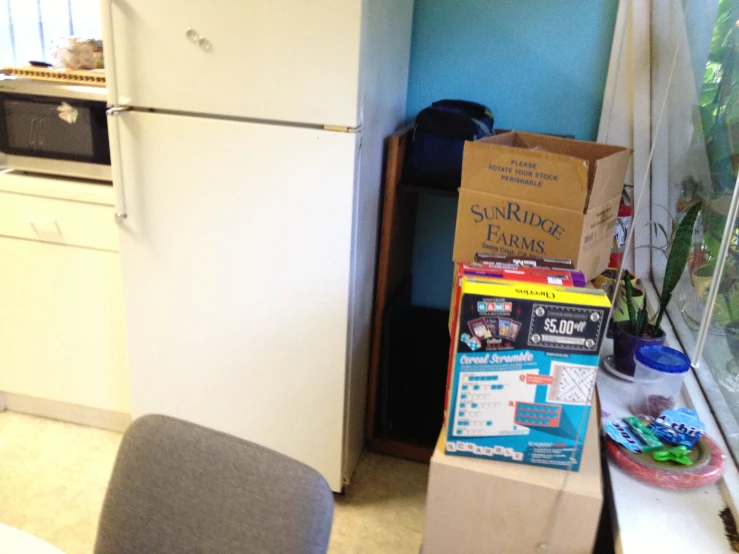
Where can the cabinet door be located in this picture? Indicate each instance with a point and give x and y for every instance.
(60, 221)
(286, 60)
(61, 325)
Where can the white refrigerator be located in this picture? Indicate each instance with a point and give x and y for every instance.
(246, 141)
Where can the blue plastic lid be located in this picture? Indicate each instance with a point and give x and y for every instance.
(663, 358)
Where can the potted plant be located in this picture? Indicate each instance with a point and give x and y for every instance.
(638, 330)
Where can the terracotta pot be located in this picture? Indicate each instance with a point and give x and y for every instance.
(625, 346)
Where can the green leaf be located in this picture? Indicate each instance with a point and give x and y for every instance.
(641, 321)
(677, 259)
(708, 95)
(664, 232)
(630, 301)
(727, 300)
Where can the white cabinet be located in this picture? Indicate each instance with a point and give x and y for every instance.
(61, 306)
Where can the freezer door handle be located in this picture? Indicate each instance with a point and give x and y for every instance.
(106, 13)
(196, 38)
(119, 191)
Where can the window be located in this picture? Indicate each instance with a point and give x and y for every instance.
(28, 26)
(685, 124)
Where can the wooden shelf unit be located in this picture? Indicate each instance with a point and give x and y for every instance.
(393, 270)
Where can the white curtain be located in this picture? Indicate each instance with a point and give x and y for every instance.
(660, 47)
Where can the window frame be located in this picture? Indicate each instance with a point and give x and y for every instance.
(632, 115)
(667, 17)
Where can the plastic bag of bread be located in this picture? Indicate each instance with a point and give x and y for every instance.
(76, 53)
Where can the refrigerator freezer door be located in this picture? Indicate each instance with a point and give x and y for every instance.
(286, 60)
(236, 255)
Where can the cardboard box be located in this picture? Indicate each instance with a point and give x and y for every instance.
(526, 194)
(522, 371)
(480, 506)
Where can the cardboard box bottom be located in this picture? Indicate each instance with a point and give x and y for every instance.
(481, 506)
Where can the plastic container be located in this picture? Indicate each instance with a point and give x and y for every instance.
(658, 378)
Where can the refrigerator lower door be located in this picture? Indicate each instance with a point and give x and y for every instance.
(236, 262)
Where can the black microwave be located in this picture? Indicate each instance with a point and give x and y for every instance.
(54, 128)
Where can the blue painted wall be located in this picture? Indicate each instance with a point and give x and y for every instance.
(540, 65)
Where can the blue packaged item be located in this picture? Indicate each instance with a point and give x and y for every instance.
(632, 435)
(620, 432)
(435, 152)
(679, 427)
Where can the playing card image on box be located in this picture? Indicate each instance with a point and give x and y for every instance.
(504, 325)
(524, 396)
(493, 326)
(479, 328)
(513, 328)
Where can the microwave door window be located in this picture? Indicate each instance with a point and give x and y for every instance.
(65, 130)
(57, 129)
(20, 120)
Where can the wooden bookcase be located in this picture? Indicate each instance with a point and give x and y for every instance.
(393, 271)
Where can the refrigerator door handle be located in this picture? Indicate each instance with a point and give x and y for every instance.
(192, 35)
(106, 8)
(196, 38)
(114, 114)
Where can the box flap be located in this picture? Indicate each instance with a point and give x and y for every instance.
(505, 166)
(606, 166)
(607, 163)
(593, 259)
(589, 151)
(608, 181)
(598, 228)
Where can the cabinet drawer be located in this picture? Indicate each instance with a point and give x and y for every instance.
(58, 221)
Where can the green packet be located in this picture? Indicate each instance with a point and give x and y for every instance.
(649, 439)
(630, 433)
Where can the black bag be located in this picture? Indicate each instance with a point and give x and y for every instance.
(435, 153)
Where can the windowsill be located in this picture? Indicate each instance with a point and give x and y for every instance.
(651, 519)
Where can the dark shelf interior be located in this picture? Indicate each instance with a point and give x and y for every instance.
(415, 350)
(419, 188)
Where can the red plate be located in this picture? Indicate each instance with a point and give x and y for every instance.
(672, 476)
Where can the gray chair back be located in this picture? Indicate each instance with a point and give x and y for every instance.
(180, 488)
